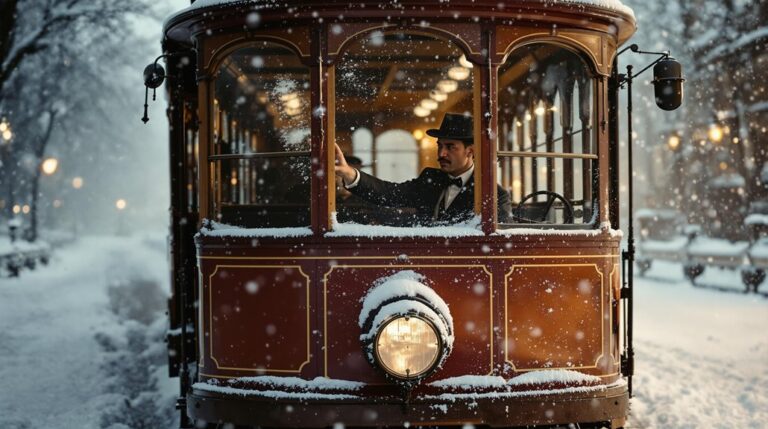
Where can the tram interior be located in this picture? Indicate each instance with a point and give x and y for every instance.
(389, 89)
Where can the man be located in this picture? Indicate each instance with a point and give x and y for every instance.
(439, 196)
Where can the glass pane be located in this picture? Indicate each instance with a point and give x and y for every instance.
(261, 115)
(261, 192)
(539, 187)
(395, 86)
(546, 107)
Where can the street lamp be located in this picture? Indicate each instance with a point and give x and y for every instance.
(50, 165)
(77, 182)
(121, 204)
(673, 142)
(715, 133)
(5, 130)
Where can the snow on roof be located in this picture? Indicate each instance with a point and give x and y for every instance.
(614, 5)
(732, 180)
(706, 246)
(756, 219)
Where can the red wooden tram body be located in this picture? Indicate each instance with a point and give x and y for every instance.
(256, 305)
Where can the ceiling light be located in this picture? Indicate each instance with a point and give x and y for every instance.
(447, 85)
(458, 73)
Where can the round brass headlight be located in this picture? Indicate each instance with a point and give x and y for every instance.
(407, 346)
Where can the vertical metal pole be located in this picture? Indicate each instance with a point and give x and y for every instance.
(630, 253)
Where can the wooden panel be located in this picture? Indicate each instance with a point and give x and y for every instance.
(554, 316)
(244, 334)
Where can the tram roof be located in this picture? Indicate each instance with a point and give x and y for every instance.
(613, 10)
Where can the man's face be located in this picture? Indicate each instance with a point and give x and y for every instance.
(454, 156)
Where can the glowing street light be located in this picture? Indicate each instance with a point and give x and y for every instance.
(120, 204)
(673, 142)
(715, 133)
(50, 165)
(77, 182)
(5, 130)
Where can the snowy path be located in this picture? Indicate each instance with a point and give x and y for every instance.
(50, 372)
(701, 354)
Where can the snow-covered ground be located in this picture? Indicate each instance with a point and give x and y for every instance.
(53, 371)
(702, 354)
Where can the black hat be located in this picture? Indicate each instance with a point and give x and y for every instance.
(455, 126)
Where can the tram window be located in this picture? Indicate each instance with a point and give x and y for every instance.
(260, 169)
(396, 86)
(547, 155)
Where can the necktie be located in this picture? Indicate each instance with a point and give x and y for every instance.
(456, 182)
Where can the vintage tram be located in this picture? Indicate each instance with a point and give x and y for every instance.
(294, 307)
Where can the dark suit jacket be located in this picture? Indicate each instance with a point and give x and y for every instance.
(422, 194)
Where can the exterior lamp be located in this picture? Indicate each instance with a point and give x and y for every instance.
(458, 73)
(7, 135)
(50, 165)
(447, 85)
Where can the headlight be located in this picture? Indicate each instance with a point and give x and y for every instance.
(407, 346)
(407, 329)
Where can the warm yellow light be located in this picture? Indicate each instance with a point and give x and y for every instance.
(418, 134)
(447, 86)
(288, 96)
(421, 112)
(715, 133)
(7, 135)
(528, 117)
(516, 184)
(77, 182)
(16, 209)
(673, 142)
(438, 95)
(428, 103)
(458, 73)
(464, 63)
(120, 204)
(25, 209)
(540, 110)
(293, 103)
(50, 165)
(427, 143)
(407, 346)
(292, 112)
(723, 166)
(3, 126)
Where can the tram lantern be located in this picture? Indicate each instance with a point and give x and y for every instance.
(154, 75)
(668, 83)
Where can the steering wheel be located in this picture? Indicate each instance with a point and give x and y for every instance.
(552, 196)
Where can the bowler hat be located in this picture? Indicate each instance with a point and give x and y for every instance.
(455, 126)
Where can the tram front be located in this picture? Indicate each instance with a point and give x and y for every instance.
(328, 266)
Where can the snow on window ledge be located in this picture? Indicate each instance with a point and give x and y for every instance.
(465, 229)
(605, 228)
(216, 229)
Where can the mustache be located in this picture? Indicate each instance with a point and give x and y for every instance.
(442, 159)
